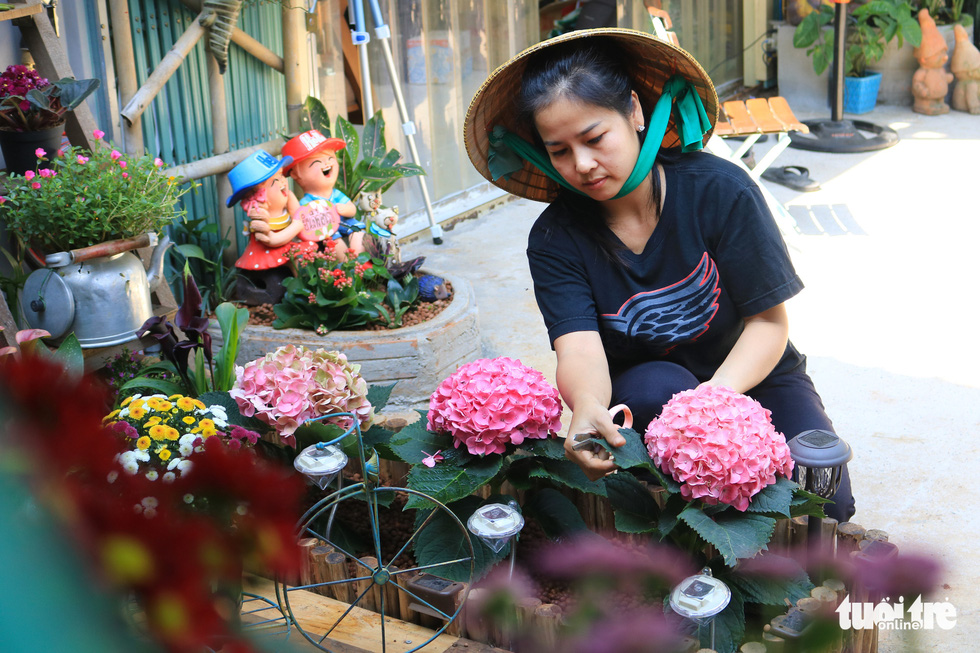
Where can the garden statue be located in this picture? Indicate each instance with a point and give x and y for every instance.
(381, 221)
(258, 183)
(930, 83)
(965, 66)
(314, 168)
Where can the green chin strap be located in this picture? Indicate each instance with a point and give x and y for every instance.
(507, 149)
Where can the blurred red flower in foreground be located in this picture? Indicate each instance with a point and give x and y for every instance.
(172, 546)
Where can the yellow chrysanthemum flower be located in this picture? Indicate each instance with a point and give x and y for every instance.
(187, 419)
(172, 433)
(137, 413)
(207, 433)
(155, 419)
(143, 443)
(186, 404)
(110, 416)
(159, 431)
(165, 405)
(175, 397)
(126, 401)
(199, 404)
(164, 454)
(206, 424)
(154, 403)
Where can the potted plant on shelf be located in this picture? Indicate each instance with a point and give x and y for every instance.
(85, 211)
(32, 113)
(868, 30)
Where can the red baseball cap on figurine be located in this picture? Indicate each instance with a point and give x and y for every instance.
(307, 144)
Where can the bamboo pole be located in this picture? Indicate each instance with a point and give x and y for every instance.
(294, 58)
(164, 71)
(128, 83)
(243, 40)
(223, 162)
(220, 145)
(372, 599)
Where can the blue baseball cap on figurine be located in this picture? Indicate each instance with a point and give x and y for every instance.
(254, 169)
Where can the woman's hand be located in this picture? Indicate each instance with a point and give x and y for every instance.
(592, 421)
(583, 380)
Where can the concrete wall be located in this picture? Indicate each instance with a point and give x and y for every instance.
(807, 93)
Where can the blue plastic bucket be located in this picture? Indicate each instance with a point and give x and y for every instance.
(861, 93)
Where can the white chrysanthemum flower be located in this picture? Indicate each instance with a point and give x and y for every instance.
(172, 464)
(113, 475)
(169, 477)
(242, 509)
(185, 449)
(150, 512)
(127, 457)
(188, 498)
(188, 439)
(131, 467)
(137, 508)
(184, 466)
(150, 502)
(152, 475)
(142, 456)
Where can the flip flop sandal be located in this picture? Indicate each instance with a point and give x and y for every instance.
(795, 177)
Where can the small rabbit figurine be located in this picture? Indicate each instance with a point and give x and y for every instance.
(965, 66)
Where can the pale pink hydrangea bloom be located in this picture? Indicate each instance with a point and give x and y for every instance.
(492, 402)
(719, 445)
(293, 384)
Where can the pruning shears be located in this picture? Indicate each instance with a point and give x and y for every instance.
(590, 439)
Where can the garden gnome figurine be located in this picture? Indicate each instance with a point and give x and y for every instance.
(930, 83)
(315, 168)
(965, 66)
(258, 182)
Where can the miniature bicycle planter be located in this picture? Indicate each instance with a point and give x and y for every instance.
(376, 583)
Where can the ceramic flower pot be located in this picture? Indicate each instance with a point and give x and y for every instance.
(861, 93)
(19, 147)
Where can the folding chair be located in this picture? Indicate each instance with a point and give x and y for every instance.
(747, 119)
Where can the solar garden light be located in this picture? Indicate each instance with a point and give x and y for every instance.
(699, 598)
(820, 457)
(320, 462)
(496, 524)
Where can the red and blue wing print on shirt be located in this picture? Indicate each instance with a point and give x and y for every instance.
(656, 321)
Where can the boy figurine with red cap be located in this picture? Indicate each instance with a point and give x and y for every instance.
(315, 168)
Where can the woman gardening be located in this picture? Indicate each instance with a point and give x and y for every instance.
(656, 267)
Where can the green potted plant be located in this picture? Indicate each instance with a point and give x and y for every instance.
(32, 113)
(949, 13)
(85, 210)
(868, 30)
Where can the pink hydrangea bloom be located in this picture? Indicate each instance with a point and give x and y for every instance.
(294, 384)
(492, 402)
(719, 445)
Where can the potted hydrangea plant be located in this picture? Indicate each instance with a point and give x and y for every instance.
(32, 113)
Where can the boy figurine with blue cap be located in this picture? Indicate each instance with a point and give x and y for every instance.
(314, 168)
(258, 183)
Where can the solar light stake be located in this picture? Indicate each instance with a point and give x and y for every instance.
(699, 598)
(496, 524)
(820, 457)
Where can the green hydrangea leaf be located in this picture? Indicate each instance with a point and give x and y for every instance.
(414, 442)
(774, 500)
(447, 482)
(735, 535)
(554, 512)
(634, 509)
(442, 540)
(567, 473)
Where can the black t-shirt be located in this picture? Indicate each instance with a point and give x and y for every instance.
(715, 258)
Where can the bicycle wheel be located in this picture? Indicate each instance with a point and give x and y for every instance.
(366, 577)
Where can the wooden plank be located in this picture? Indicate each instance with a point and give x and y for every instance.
(360, 631)
(740, 119)
(762, 116)
(780, 107)
(20, 12)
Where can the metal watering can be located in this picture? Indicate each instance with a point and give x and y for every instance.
(101, 293)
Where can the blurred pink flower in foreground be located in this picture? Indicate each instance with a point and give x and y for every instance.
(719, 444)
(492, 402)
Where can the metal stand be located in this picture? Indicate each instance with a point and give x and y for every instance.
(837, 134)
(360, 38)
